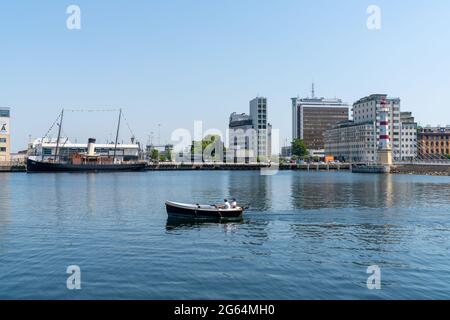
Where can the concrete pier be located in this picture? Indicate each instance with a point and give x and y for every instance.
(244, 166)
(422, 169)
(13, 168)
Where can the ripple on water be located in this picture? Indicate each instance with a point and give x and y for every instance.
(305, 236)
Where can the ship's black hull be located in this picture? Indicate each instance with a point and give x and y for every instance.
(39, 166)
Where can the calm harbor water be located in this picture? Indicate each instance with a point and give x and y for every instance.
(306, 236)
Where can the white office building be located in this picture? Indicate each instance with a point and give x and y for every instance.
(359, 140)
(258, 113)
(250, 135)
(368, 109)
(408, 143)
(348, 141)
(5, 135)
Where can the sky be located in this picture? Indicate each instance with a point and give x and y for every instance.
(173, 62)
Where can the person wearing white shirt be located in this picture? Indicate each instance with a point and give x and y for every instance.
(234, 203)
(226, 204)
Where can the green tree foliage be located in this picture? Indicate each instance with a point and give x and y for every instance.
(155, 154)
(205, 143)
(299, 148)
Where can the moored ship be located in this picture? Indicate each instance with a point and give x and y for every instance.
(86, 159)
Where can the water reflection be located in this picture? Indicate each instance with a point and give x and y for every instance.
(173, 224)
(91, 193)
(251, 189)
(306, 235)
(332, 192)
(4, 202)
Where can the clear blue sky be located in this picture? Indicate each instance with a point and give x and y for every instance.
(173, 62)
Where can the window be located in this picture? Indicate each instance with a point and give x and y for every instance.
(2, 140)
(2, 149)
(47, 151)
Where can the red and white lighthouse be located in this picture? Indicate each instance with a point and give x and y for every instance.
(384, 150)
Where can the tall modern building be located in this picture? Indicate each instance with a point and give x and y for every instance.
(250, 135)
(258, 113)
(5, 144)
(312, 116)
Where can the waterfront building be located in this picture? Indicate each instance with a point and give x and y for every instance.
(311, 117)
(286, 152)
(408, 134)
(258, 114)
(242, 138)
(371, 108)
(46, 149)
(349, 141)
(5, 135)
(433, 142)
(269, 140)
(378, 122)
(250, 134)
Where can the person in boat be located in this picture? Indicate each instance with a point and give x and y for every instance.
(226, 205)
(233, 203)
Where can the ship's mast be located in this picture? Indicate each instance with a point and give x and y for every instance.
(117, 136)
(59, 136)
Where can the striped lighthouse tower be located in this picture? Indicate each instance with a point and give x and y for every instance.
(384, 151)
(384, 125)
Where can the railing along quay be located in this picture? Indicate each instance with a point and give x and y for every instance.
(245, 166)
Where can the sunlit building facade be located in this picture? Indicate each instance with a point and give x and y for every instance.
(5, 135)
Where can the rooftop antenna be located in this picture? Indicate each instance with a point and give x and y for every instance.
(312, 91)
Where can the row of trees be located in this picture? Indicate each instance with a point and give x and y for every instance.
(199, 145)
(299, 149)
(157, 156)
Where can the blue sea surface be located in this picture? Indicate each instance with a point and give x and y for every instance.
(307, 235)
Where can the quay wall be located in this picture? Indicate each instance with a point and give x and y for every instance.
(12, 168)
(242, 166)
(421, 169)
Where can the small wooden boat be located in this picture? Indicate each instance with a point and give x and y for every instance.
(176, 209)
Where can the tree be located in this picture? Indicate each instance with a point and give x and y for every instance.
(205, 143)
(169, 155)
(154, 155)
(299, 148)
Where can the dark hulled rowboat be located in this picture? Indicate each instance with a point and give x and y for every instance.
(43, 166)
(176, 209)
